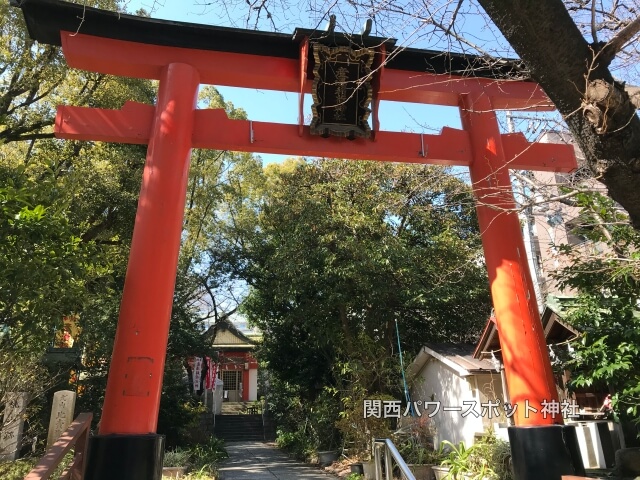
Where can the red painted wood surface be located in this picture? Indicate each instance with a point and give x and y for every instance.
(524, 349)
(134, 384)
(214, 130)
(129, 59)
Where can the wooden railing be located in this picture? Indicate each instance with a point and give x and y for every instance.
(76, 435)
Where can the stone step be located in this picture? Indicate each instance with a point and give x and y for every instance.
(219, 432)
(239, 427)
(241, 438)
(240, 408)
(239, 420)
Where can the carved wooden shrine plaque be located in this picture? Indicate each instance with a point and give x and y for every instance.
(341, 91)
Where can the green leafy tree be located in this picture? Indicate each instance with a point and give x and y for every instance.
(341, 251)
(67, 211)
(42, 267)
(605, 311)
(344, 247)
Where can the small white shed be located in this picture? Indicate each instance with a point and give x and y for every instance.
(462, 388)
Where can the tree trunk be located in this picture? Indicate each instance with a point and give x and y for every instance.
(597, 110)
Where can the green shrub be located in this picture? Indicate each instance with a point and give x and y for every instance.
(179, 412)
(488, 458)
(298, 443)
(415, 441)
(205, 473)
(202, 457)
(16, 470)
(305, 422)
(498, 455)
(207, 454)
(177, 458)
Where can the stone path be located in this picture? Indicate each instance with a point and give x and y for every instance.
(264, 461)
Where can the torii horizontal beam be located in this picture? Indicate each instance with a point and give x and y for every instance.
(214, 130)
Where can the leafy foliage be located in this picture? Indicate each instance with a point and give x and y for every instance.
(299, 421)
(606, 308)
(338, 253)
(488, 458)
(367, 374)
(43, 267)
(67, 211)
(16, 470)
(65, 207)
(21, 372)
(344, 247)
(415, 441)
(354, 476)
(201, 458)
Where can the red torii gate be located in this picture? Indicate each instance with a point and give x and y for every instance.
(182, 56)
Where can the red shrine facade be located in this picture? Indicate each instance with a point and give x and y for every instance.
(236, 365)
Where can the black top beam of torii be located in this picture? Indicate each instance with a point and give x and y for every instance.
(46, 18)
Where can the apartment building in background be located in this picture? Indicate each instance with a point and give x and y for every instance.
(550, 218)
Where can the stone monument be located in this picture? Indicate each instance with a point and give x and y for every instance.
(64, 403)
(11, 434)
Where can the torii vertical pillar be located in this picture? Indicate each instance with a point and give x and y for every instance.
(541, 446)
(127, 438)
(524, 350)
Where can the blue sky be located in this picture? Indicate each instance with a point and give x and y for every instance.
(282, 107)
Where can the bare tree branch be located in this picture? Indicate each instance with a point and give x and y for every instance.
(617, 43)
(453, 17)
(594, 29)
(634, 94)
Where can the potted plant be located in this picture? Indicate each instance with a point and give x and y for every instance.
(415, 442)
(323, 414)
(175, 463)
(460, 464)
(327, 457)
(487, 459)
(440, 472)
(421, 462)
(494, 456)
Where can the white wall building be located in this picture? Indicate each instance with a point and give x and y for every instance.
(460, 385)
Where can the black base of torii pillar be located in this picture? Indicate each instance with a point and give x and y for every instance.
(125, 457)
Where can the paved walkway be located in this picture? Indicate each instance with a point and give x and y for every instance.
(264, 461)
